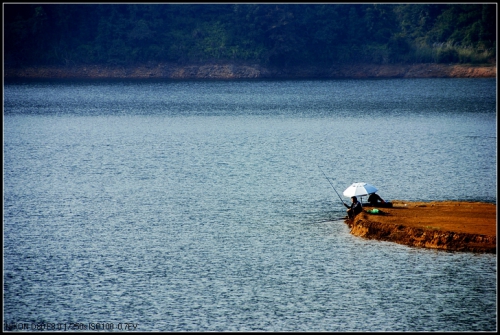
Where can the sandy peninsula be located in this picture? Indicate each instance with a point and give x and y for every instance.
(447, 225)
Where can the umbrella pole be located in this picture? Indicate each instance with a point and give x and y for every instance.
(332, 186)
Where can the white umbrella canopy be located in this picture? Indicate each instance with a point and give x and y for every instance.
(359, 189)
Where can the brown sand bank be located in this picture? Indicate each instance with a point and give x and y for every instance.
(228, 71)
(448, 225)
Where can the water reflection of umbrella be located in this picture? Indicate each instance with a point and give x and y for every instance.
(359, 189)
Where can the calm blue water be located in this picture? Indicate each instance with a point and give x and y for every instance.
(200, 206)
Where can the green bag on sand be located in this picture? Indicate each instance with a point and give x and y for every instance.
(374, 211)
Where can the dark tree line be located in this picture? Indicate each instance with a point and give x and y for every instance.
(270, 34)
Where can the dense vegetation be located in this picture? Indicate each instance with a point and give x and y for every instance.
(270, 34)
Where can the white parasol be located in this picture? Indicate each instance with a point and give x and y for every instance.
(359, 189)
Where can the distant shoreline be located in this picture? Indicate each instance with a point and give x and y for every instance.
(230, 71)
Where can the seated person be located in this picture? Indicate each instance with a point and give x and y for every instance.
(354, 209)
(374, 199)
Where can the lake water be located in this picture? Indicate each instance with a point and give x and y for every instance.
(202, 206)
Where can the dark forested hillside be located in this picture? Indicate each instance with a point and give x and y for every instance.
(269, 34)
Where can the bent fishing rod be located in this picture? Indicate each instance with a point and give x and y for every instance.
(332, 186)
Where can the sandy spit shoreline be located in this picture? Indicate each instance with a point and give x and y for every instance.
(445, 225)
(228, 71)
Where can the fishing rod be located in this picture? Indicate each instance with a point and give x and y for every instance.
(332, 185)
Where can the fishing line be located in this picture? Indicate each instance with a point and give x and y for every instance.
(332, 185)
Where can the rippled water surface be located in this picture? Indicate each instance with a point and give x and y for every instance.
(201, 206)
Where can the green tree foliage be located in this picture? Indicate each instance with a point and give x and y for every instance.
(271, 34)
